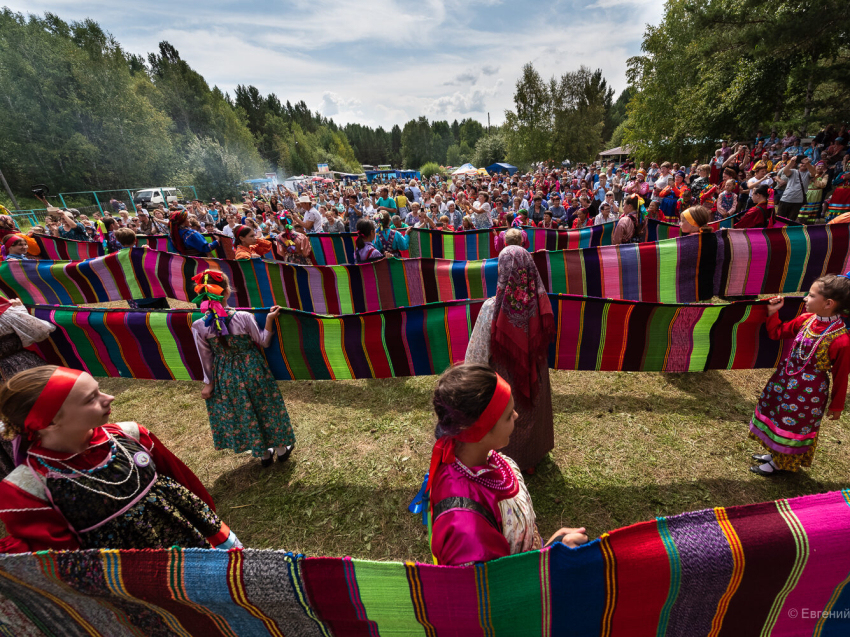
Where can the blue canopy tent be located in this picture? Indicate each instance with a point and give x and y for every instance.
(386, 175)
(501, 168)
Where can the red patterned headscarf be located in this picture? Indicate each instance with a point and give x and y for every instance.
(523, 322)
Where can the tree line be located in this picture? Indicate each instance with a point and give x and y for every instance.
(723, 69)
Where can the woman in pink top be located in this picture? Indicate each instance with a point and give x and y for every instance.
(479, 505)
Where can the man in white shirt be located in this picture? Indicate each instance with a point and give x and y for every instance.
(311, 219)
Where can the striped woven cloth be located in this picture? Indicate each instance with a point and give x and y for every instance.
(592, 334)
(777, 568)
(682, 270)
(480, 244)
(59, 249)
(660, 230)
(633, 271)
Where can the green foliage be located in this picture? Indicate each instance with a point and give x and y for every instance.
(454, 157)
(416, 140)
(725, 68)
(562, 119)
(431, 168)
(490, 150)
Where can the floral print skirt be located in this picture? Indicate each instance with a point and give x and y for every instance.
(788, 415)
(246, 409)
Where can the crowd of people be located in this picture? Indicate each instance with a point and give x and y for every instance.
(77, 480)
(759, 181)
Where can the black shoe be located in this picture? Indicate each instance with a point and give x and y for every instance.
(286, 455)
(766, 474)
(267, 462)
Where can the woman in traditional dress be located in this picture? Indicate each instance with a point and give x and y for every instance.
(512, 335)
(839, 201)
(479, 505)
(788, 414)
(810, 211)
(81, 483)
(760, 215)
(186, 240)
(244, 404)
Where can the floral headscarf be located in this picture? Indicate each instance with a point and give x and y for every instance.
(523, 322)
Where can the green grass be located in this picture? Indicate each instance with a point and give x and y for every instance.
(629, 446)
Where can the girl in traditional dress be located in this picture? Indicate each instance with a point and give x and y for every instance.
(480, 508)
(81, 483)
(364, 247)
(788, 414)
(512, 335)
(292, 246)
(248, 245)
(695, 220)
(244, 403)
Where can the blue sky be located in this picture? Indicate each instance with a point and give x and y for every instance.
(382, 62)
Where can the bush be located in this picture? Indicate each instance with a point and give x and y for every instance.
(431, 168)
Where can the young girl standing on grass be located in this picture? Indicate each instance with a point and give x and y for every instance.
(788, 415)
(244, 403)
(479, 504)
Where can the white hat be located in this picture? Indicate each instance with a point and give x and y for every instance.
(304, 199)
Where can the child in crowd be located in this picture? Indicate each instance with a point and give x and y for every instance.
(479, 505)
(127, 239)
(364, 245)
(248, 245)
(81, 483)
(15, 247)
(788, 414)
(244, 403)
(727, 202)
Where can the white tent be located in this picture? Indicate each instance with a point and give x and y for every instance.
(466, 169)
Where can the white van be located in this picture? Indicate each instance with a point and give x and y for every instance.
(153, 196)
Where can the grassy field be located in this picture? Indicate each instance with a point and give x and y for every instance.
(629, 446)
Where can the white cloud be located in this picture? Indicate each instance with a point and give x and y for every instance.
(333, 103)
(472, 101)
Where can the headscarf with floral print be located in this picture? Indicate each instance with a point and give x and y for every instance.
(523, 322)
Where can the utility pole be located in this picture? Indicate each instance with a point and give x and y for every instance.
(488, 122)
(9, 191)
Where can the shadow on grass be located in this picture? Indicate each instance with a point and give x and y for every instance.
(270, 510)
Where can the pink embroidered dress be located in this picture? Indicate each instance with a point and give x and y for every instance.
(788, 415)
(481, 513)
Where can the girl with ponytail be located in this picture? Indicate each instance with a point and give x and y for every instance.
(244, 403)
(365, 249)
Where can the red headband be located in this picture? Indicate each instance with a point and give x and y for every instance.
(444, 448)
(12, 239)
(51, 399)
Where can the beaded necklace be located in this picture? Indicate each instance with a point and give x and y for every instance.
(86, 473)
(797, 349)
(506, 481)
